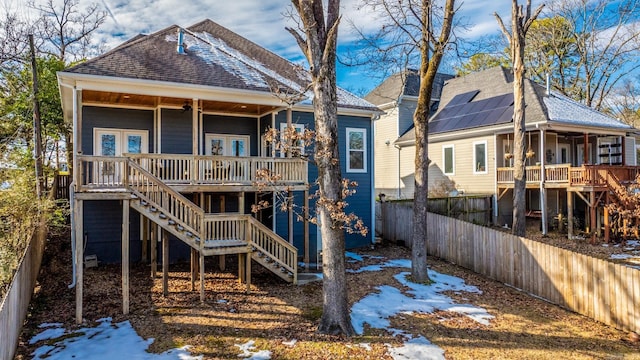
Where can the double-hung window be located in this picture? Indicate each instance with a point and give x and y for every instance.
(356, 150)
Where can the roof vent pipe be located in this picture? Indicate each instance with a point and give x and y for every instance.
(548, 84)
(180, 47)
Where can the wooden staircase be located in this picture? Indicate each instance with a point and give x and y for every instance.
(622, 206)
(209, 234)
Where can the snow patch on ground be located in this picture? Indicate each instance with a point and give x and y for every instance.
(377, 308)
(417, 348)
(104, 342)
(396, 263)
(622, 256)
(290, 343)
(248, 353)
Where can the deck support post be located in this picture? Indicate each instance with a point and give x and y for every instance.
(78, 207)
(145, 238)
(592, 215)
(154, 249)
(222, 258)
(607, 226)
(598, 221)
(241, 269)
(306, 229)
(543, 191)
(290, 217)
(165, 263)
(569, 214)
(194, 268)
(125, 256)
(248, 271)
(201, 277)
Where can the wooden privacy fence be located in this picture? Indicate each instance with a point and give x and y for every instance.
(15, 304)
(472, 208)
(599, 289)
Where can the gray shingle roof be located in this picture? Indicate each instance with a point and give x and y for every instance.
(404, 83)
(496, 82)
(214, 56)
(561, 109)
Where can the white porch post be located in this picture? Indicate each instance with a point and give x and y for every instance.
(543, 192)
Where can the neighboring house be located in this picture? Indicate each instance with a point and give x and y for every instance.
(573, 152)
(397, 96)
(169, 136)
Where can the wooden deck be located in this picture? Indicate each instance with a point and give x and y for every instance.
(189, 173)
(569, 177)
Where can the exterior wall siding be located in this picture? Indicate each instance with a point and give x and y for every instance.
(99, 117)
(176, 131)
(464, 177)
(359, 203)
(386, 155)
(103, 224)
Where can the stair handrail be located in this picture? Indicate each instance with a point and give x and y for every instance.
(290, 263)
(614, 183)
(179, 215)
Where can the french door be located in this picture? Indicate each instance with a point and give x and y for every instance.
(116, 142)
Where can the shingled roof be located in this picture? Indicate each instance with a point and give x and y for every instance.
(214, 56)
(484, 98)
(405, 83)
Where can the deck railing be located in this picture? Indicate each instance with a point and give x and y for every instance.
(201, 169)
(570, 175)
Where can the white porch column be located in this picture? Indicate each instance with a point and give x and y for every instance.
(543, 192)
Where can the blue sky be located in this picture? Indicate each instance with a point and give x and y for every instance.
(263, 22)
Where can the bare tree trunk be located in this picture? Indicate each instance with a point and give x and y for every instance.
(319, 47)
(519, 173)
(335, 311)
(428, 69)
(521, 19)
(37, 132)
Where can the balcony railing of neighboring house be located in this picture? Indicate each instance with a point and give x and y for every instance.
(106, 172)
(565, 174)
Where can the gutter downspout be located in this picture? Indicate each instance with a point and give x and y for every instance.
(399, 173)
(72, 196)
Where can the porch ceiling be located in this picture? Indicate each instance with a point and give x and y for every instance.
(92, 97)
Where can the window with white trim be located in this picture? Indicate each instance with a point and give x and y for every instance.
(356, 150)
(480, 157)
(296, 149)
(448, 160)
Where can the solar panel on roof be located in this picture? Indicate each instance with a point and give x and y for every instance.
(473, 114)
(463, 98)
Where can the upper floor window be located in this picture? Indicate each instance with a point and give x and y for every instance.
(448, 159)
(356, 150)
(480, 157)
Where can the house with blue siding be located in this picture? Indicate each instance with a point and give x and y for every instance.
(170, 154)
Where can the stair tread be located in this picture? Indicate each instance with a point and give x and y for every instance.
(224, 243)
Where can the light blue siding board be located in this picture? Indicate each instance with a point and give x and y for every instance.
(98, 117)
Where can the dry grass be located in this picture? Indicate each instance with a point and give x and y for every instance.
(275, 312)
